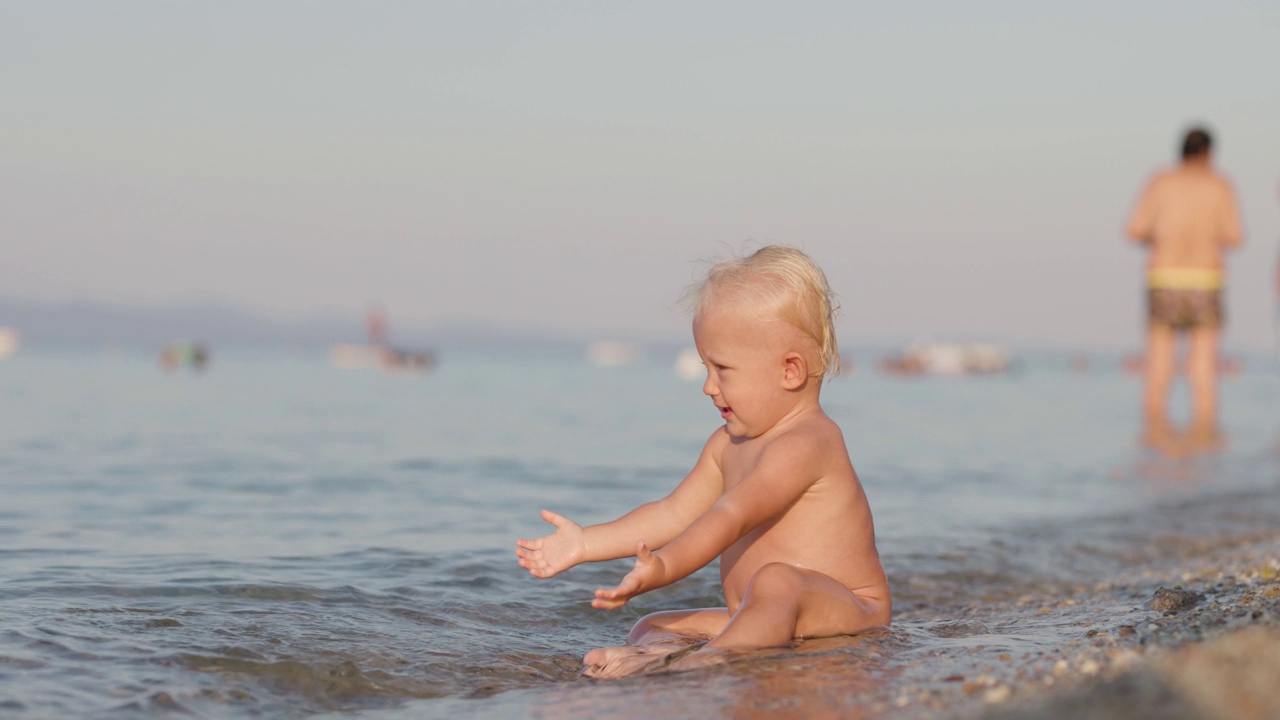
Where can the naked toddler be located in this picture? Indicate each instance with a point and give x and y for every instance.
(773, 494)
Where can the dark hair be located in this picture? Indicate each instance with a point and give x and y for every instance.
(1197, 142)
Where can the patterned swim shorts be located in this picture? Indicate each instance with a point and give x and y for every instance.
(1184, 308)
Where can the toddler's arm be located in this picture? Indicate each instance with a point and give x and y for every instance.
(655, 522)
(783, 473)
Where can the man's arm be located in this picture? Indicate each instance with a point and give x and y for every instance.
(1141, 226)
(1232, 231)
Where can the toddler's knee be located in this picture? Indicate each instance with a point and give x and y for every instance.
(772, 579)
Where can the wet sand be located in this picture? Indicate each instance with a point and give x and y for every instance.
(1200, 640)
(1214, 657)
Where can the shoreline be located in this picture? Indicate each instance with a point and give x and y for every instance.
(1216, 659)
(1169, 655)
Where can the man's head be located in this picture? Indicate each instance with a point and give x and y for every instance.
(779, 282)
(1196, 144)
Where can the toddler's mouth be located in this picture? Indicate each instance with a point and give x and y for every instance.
(725, 411)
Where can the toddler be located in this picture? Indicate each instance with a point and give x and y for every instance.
(773, 494)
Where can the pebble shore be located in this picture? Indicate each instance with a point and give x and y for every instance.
(1199, 641)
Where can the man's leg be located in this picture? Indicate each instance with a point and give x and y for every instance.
(1202, 369)
(1161, 342)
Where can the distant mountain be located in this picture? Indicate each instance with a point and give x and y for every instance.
(87, 323)
(84, 322)
(91, 323)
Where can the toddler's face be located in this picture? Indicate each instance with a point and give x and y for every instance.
(743, 353)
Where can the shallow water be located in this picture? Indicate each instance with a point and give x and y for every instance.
(277, 537)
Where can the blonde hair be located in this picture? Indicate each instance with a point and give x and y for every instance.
(790, 284)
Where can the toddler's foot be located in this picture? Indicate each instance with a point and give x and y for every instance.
(698, 658)
(626, 660)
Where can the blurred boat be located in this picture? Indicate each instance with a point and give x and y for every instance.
(351, 356)
(922, 357)
(379, 354)
(689, 365)
(612, 354)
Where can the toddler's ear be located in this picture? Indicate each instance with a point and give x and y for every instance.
(795, 371)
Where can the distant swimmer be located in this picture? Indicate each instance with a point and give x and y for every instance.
(184, 354)
(377, 324)
(1187, 216)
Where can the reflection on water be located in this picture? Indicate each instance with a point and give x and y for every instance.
(1190, 441)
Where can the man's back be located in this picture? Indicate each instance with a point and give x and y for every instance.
(1188, 215)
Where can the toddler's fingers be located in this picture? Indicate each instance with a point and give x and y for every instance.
(554, 518)
(604, 597)
(538, 571)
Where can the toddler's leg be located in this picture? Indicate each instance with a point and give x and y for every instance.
(653, 639)
(676, 624)
(783, 603)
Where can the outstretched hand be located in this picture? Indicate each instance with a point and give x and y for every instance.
(554, 553)
(645, 576)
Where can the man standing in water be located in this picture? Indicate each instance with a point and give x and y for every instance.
(1188, 216)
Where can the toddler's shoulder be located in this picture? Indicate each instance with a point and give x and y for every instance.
(820, 426)
(815, 435)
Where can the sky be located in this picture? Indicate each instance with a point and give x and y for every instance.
(571, 167)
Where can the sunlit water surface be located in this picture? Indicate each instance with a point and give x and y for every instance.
(277, 537)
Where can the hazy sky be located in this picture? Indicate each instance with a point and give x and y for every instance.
(566, 165)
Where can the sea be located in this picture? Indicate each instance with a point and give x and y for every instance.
(276, 537)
